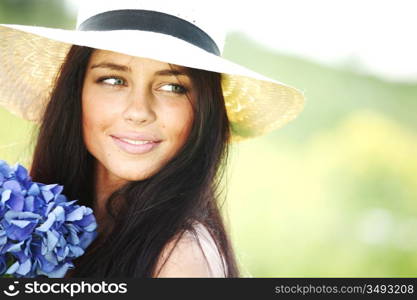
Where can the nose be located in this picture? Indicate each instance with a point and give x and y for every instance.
(139, 108)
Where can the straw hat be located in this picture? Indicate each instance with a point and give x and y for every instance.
(176, 32)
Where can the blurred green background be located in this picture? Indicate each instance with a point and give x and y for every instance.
(331, 194)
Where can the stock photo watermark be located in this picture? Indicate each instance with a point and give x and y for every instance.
(64, 288)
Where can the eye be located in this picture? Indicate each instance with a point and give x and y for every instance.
(114, 81)
(174, 88)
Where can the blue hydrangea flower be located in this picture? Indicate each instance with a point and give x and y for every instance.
(3, 265)
(41, 232)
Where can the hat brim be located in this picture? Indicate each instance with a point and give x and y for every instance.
(31, 56)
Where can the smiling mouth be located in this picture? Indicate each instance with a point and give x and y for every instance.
(135, 142)
(135, 146)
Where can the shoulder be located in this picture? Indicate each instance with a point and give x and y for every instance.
(191, 256)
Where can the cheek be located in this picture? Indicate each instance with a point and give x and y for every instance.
(177, 123)
(95, 118)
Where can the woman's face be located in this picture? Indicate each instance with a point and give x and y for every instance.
(136, 114)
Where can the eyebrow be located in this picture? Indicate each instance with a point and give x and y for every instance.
(123, 68)
(111, 66)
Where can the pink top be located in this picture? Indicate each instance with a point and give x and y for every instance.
(210, 250)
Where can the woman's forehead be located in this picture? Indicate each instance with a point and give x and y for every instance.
(106, 56)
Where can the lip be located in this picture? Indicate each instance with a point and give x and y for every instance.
(137, 136)
(136, 149)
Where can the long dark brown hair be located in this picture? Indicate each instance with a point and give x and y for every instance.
(157, 209)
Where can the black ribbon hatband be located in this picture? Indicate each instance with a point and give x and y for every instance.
(147, 20)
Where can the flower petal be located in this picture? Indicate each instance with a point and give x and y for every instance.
(10, 215)
(60, 271)
(59, 212)
(5, 170)
(14, 247)
(12, 185)
(21, 173)
(12, 269)
(76, 214)
(48, 223)
(5, 195)
(29, 204)
(34, 190)
(24, 267)
(47, 195)
(16, 201)
(20, 230)
(52, 240)
(3, 265)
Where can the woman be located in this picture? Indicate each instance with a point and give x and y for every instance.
(140, 133)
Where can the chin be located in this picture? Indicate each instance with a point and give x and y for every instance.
(136, 174)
